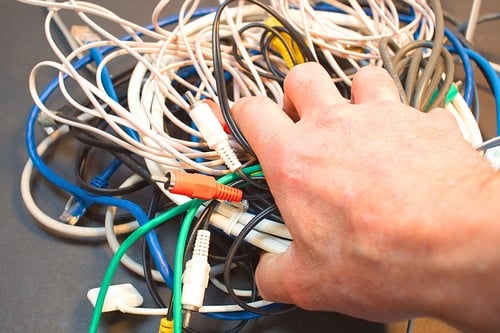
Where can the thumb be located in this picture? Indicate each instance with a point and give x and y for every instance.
(272, 275)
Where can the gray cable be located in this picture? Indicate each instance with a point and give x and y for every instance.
(384, 45)
(412, 74)
(438, 42)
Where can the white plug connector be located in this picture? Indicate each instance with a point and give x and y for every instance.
(268, 235)
(196, 275)
(493, 156)
(48, 123)
(84, 34)
(117, 296)
(212, 132)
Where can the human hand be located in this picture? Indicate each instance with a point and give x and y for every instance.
(377, 197)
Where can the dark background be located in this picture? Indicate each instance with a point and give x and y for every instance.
(44, 279)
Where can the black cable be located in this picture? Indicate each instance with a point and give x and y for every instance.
(81, 165)
(268, 35)
(219, 69)
(251, 181)
(146, 253)
(260, 205)
(223, 243)
(90, 138)
(230, 258)
(129, 160)
(241, 62)
(118, 219)
(267, 54)
(409, 326)
(201, 223)
(117, 151)
(462, 27)
(250, 270)
(238, 327)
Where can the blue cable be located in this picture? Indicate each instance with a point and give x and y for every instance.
(77, 206)
(156, 251)
(152, 239)
(493, 80)
(135, 210)
(96, 56)
(106, 77)
(460, 49)
(324, 6)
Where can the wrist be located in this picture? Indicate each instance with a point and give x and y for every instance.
(464, 270)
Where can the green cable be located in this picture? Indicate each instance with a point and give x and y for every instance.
(449, 96)
(143, 230)
(115, 261)
(178, 261)
(181, 246)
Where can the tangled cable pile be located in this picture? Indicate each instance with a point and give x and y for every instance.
(170, 112)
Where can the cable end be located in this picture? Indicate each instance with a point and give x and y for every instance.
(200, 186)
(166, 326)
(74, 209)
(118, 294)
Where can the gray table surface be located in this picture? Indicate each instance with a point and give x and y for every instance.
(44, 279)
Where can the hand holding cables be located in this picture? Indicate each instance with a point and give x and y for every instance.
(376, 198)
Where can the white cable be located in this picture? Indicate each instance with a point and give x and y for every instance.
(222, 287)
(472, 23)
(163, 60)
(124, 308)
(204, 309)
(495, 66)
(474, 133)
(63, 28)
(450, 107)
(264, 241)
(52, 225)
(231, 308)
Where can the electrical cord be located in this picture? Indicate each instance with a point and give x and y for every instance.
(247, 64)
(158, 256)
(474, 14)
(55, 226)
(409, 326)
(146, 254)
(493, 80)
(61, 183)
(219, 69)
(230, 256)
(81, 165)
(420, 87)
(469, 71)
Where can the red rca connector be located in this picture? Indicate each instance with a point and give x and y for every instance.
(218, 113)
(212, 131)
(200, 186)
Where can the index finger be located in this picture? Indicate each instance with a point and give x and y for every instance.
(306, 86)
(260, 119)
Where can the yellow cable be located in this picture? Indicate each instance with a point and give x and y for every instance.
(279, 46)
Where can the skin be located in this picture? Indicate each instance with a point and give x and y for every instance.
(392, 213)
